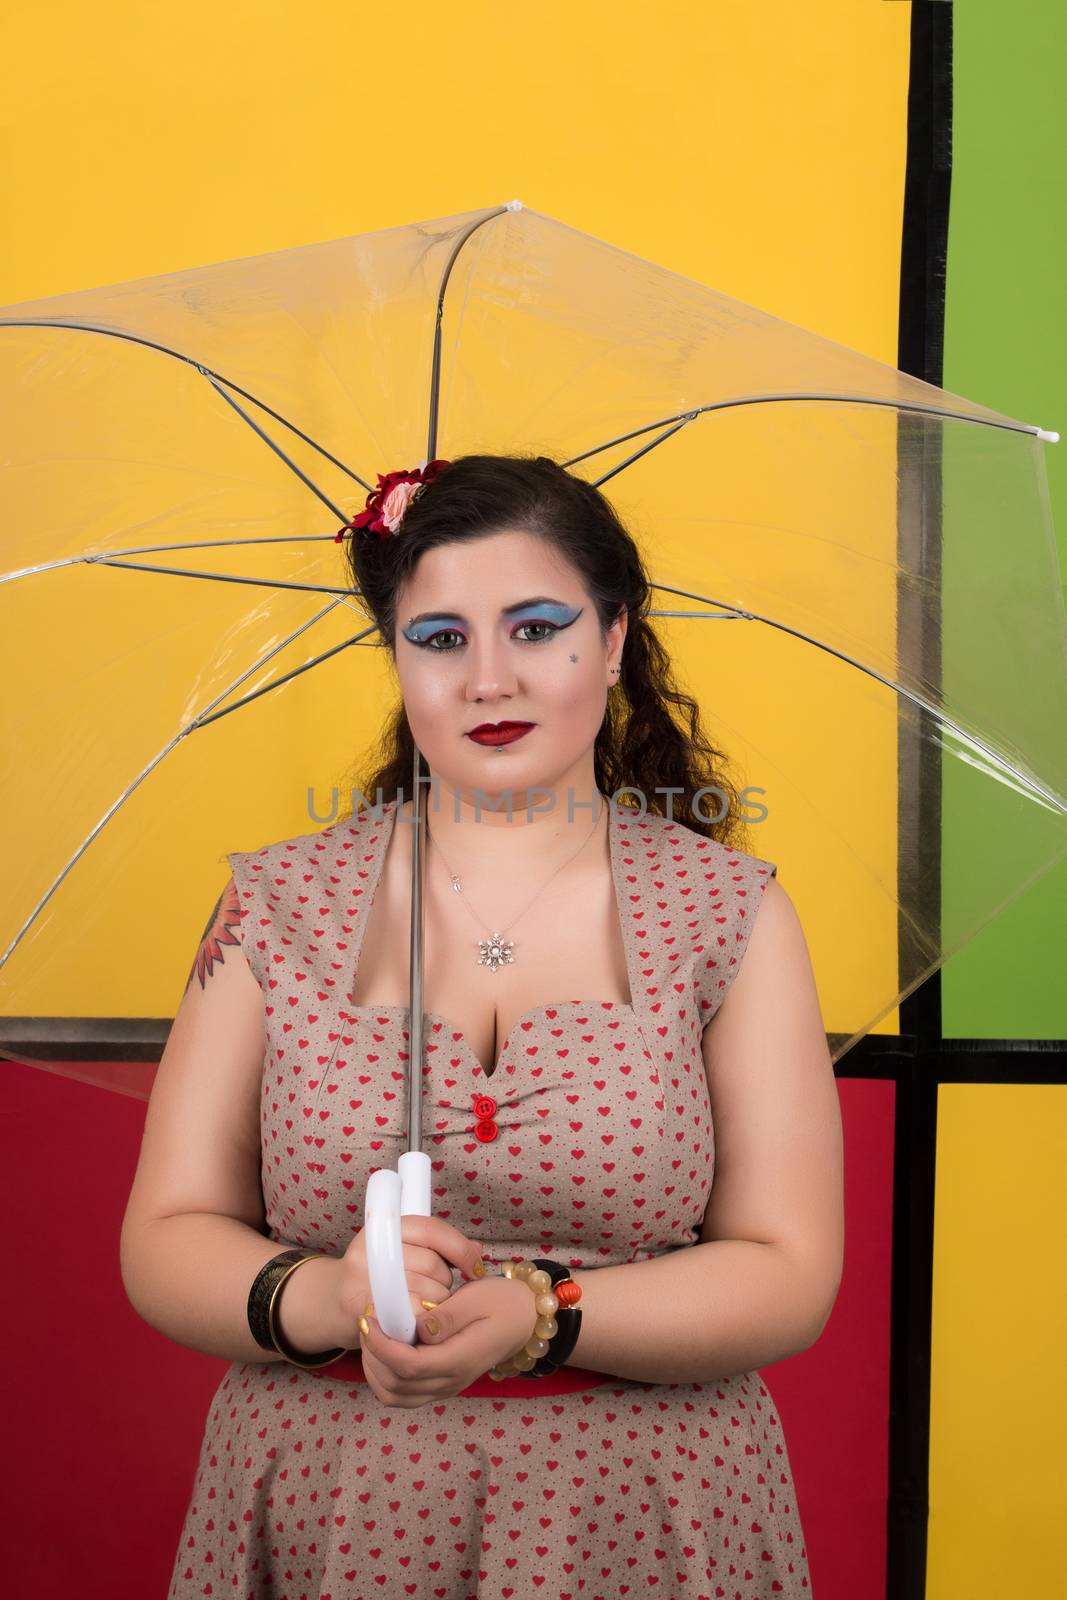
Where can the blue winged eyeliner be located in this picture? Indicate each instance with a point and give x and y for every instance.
(558, 616)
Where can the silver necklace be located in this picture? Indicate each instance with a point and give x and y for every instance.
(496, 951)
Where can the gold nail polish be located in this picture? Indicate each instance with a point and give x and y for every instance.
(364, 1326)
(431, 1305)
(479, 1269)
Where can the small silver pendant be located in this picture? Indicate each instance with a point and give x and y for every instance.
(496, 952)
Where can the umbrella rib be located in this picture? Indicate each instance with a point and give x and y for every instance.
(1032, 784)
(215, 577)
(105, 556)
(727, 613)
(769, 399)
(216, 378)
(202, 720)
(262, 433)
(206, 372)
(435, 360)
(667, 433)
(278, 683)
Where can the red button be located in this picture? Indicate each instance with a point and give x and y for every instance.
(485, 1131)
(484, 1106)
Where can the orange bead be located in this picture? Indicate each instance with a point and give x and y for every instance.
(568, 1293)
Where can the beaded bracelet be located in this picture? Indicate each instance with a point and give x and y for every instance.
(262, 1309)
(555, 1333)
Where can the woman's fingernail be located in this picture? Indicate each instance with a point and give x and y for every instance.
(364, 1326)
(432, 1326)
(431, 1305)
(479, 1269)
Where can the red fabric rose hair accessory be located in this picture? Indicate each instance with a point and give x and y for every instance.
(386, 505)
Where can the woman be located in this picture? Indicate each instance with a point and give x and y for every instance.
(580, 1132)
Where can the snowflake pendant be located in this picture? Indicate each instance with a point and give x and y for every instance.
(496, 952)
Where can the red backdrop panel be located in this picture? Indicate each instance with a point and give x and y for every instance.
(105, 1415)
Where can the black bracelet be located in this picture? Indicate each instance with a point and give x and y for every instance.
(565, 1338)
(261, 1300)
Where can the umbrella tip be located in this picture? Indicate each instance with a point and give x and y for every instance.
(1050, 438)
(514, 205)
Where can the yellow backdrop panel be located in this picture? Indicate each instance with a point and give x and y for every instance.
(757, 149)
(1000, 1309)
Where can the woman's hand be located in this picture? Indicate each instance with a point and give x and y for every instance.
(430, 1245)
(480, 1325)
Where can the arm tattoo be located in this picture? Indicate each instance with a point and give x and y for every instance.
(217, 934)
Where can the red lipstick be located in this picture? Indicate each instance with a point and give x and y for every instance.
(494, 733)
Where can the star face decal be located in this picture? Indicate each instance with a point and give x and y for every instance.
(225, 917)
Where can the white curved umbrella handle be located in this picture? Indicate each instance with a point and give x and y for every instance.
(391, 1195)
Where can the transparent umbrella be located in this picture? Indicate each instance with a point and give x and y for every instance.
(855, 573)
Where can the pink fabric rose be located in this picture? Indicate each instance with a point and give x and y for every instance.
(396, 503)
(387, 504)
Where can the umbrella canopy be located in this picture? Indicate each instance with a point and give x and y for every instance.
(855, 573)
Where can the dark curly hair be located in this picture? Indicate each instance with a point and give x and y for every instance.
(651, 736)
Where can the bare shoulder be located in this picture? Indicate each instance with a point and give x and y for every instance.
(772, 999)
(200, 1150)
(775, 1108)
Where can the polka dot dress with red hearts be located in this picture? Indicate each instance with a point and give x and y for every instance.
(598, 1151)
